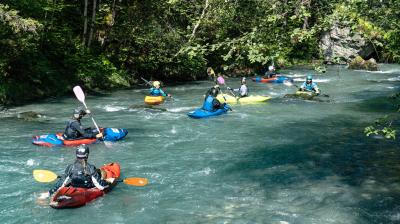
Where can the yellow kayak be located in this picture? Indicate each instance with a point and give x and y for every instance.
(154, 100)
(248, 99)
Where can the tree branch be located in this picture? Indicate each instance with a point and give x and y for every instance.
(198, 22)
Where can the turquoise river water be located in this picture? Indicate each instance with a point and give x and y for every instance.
(282, 162)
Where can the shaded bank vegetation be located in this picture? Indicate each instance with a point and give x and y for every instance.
(47, 46)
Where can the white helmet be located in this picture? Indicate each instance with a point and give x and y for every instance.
(156, 84)
(271, 67)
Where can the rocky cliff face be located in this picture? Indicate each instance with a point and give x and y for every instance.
(341, 45)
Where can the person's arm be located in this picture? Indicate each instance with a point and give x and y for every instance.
(303, 86)
(317, 91)
(236, 90)
(98, 182)
(85, 134)
(164, 93)
(216, 104)
(62, 181)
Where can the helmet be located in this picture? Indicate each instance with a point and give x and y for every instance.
(243, 80)
(156, 84)
(309, 77)
(214, 91)
(210, 71)
(271, 67)
(79, 112)
(82, 152)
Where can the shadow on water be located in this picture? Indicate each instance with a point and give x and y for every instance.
(337, 152)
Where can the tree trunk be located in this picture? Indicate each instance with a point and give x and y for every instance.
(305, 21)
(198, 22)
(84, 23)
(113, 13)
(92, 23)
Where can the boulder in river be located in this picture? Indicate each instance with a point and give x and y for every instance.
(29, 115)
(308, 96)
(360, 64)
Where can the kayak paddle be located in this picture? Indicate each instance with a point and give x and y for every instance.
(81, 97)
(221, 81)
(44, 176)
(147, 82)
(47, 176)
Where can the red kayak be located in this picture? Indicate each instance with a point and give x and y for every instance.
(275, 79)
(71, 197)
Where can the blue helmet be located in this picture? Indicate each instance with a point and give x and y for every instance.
(309, 77)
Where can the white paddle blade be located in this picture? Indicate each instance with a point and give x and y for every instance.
(79, 93)
(287, 83)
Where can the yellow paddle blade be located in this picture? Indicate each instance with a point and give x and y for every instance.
(136, 181)
(44, 176)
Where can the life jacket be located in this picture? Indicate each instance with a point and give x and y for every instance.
(78, 176)
(208, 103)
(309, 87)
(247, 90)
(70, 132)
(156, 92)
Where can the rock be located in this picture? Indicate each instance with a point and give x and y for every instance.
(360, 64)
(340, 45)
(371, 65)
(308, 96)
(320, 68)
(149, 107)
(29, 115)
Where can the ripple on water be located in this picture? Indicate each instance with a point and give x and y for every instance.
(281, 162)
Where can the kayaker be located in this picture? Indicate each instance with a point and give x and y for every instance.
(74, 129)
(80, 174)
(243, 90)
(309, 85)
(271, 72)
(211, 103)
(157, 91)
(211, 74)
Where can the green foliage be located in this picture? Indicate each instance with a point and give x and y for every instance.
(384, 126)
(386, 132)
(43, 47)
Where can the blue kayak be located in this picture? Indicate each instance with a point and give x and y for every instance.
(200, 113)
(276, 79)
(50, 140)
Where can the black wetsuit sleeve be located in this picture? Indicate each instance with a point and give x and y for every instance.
(96, 175)
(61, 180)
(82, 132)
(216, 104)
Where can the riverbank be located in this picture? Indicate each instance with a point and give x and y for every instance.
(20, 93)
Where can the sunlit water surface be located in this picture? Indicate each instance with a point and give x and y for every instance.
(285, 161)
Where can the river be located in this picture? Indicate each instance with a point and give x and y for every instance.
(286, 161)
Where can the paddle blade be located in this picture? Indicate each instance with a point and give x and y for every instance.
(287, 83)
(136, 181)
(221, 80)
(44, 176)
(79, 93)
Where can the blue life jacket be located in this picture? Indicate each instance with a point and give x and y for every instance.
(310, 87)
(208, 103)
(157, 92)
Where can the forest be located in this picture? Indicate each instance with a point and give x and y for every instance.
(47, 46)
